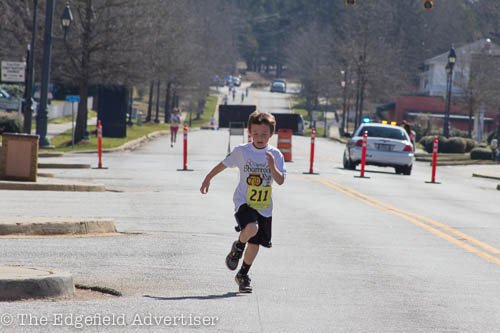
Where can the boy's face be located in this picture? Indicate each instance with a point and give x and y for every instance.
(260, 135)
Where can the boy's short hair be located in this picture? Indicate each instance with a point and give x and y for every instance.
(259, 118)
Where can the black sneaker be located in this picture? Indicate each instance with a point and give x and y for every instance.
(244, 282)
(234, 256)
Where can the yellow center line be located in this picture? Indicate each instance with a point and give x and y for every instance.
(416, 219)
(428, 220)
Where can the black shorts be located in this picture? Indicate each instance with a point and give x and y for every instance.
(246, 215)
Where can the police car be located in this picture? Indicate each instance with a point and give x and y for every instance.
(388, 145)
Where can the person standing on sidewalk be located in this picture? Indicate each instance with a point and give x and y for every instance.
(175, 120)
(259, 165)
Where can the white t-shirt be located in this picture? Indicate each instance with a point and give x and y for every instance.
(252, 163)
(175, 120)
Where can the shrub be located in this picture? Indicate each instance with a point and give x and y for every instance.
(456, 145)
(10, 122)
(443, 145)
(481, 154)
(427, 142)
(259, 85)
(469, 145)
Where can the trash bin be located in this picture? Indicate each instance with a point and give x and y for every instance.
(112, 108)
(138, 120)
(19, 157)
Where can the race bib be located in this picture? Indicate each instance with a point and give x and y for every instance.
(259, 197)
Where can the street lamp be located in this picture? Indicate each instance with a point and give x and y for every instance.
(66, 19)
(452, 58)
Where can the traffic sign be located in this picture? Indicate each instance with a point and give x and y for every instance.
(73, 98)
(13, 71)
(315, 115)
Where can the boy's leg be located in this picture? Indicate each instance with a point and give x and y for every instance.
(248, 232)
(238, 246)
(242, 278)
(251, 253)
(263, 237)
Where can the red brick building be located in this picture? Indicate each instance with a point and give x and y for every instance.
(409, 107)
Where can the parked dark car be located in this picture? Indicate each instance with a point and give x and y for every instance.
(278, 86)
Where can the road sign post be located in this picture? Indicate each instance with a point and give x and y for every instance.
(72, 99)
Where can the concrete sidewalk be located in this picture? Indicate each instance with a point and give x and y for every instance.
(18, 282)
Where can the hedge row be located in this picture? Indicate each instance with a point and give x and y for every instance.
(448, 145)
(10, 122)
(481, 154)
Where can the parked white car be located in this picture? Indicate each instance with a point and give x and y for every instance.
(387, 146)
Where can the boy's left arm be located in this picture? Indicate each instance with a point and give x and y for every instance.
(278, 176)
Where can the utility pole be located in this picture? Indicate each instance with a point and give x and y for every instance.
(30, 77)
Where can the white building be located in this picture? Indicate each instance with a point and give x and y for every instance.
(433, 77)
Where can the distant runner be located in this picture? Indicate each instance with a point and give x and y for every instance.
(174, 126)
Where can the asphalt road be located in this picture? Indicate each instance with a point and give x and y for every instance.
(263, 98)
(386, 253)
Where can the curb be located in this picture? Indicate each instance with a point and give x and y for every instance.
(131, 145)
(458, 163)
(50, 154)
(63, 166)
(37, 186)
(485, 176)
(17, 283)
(56, 226)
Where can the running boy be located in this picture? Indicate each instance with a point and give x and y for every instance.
(259, 164)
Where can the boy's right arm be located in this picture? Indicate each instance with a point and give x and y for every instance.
(206, 182)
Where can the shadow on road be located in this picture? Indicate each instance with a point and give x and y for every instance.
(180, 298)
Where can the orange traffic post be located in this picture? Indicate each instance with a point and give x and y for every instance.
(249, 137)
(285, 143)
(434, 160)
(185, 168)
(311, 161)
(363, 153)
(364, 144)
(99, 144)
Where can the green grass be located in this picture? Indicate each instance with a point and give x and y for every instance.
(62, 142)
(62, 120)
(298, 108)
(208, 112)
(67, 119)
(319, 132)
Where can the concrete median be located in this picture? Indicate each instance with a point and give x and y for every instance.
(18, 282)
(56, 226)
(51, 184)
